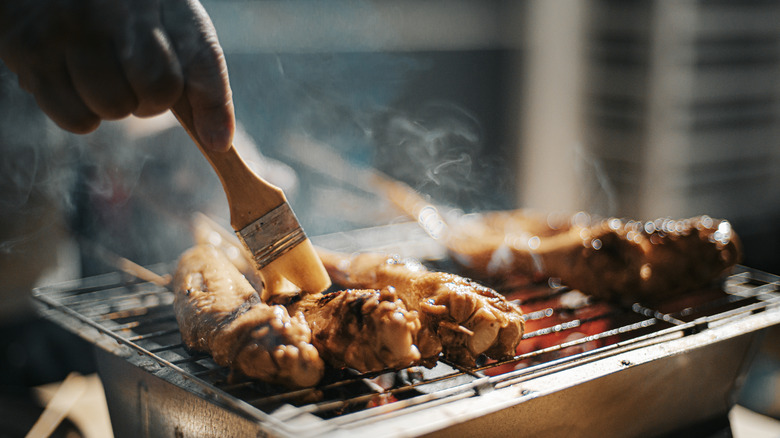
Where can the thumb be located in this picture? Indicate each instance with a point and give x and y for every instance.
(206, 81)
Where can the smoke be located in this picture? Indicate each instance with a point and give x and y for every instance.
(292, 102)
(134, 193)
(597, 189)
(439, 149)
(131, 193)
(36, 167)
(37, 176)
(464, 162)
(331, 97)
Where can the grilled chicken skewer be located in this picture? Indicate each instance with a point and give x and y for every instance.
(220, 313)
(609, 258)
(459, 317)
(367, 330)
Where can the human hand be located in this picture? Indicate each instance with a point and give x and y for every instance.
(92, 60)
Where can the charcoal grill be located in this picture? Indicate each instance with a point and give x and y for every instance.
(587, 368)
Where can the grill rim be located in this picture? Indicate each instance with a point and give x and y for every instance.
(46, 297)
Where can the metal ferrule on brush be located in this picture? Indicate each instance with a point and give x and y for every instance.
(275, 233)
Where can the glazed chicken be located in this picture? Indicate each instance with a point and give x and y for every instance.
(272, 287)
(458, 317)
(367, 330)
(607, 258)
(220, 313)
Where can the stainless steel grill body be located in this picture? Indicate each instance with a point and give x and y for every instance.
(647, 372)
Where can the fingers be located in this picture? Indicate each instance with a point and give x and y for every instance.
(209, 93)
(154, 73)
(58, 98)
(105, 59)
(31, 42)
(206, 83)
(122, 62)
(150, 64)
(99, 80)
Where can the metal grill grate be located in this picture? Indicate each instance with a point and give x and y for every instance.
(564, 329)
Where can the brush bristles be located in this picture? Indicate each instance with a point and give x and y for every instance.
(280, 249)
(302, 267)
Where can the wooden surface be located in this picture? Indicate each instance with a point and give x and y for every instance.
(87, 408)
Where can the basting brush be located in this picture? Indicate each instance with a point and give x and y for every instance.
(261, 217)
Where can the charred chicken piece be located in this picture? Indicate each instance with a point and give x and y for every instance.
(368, 330)
(607, 258)
(220, 313)
(459, 317)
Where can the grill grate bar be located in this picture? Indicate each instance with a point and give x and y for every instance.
(517, 376)
(211, 372)
(144, 322)
(464, 370)
(568, 325)
(132, 306)
(101, 298)
(168, 348)
(229, 401)
(646, 311)
(728, 299)
(156, 334)
(745, 289)
(138, 311)
(295, 394)
(603, 335)
(539, 314)
(417, 402)
(292, 395)
(333, 405)
(99, 284)
(748, 309)
(191, 359)
(543, 295)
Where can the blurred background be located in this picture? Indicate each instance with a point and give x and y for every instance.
(639, 109)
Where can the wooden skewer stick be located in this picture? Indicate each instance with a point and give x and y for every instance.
(127, 266)
(144, 274)
(68, 393)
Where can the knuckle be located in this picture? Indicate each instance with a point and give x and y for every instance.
(159, 93)
(111, 100)
(82, 124)
(165, 85)
(116, 110)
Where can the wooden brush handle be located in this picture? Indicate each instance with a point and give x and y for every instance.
(249, 196)
(286, 252)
